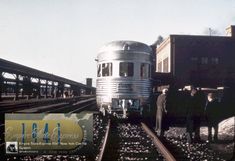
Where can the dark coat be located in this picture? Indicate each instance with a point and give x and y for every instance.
(195, 111)
(196, 104)
(212, 111)
(161, 111)
(161, 102)
(190, 113)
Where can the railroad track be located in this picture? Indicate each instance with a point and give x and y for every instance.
(127, 141)
(164, 151)
(104, 142)
(74, 107)
(133, 141)
(63, 107)
(44, 105)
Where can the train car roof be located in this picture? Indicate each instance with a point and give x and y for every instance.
(125, 45)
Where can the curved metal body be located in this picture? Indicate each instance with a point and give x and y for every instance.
(123, 77)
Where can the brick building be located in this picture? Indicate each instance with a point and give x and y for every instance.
(205, 61)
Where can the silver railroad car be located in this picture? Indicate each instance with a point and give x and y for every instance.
(123, 77)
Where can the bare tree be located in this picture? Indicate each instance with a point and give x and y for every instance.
(158, 41)
(154, 46)
(211, 32)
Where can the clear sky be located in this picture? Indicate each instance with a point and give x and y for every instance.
(63, 36)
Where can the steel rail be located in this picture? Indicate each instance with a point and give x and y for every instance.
(42, 108)
(13, 104)
(78, 103)
(35, 106)
(57, 109)
(163, 150)
(81, 108)
(104, 142)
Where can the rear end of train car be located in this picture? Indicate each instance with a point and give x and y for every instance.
(123, 78)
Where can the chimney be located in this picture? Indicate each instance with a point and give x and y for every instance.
(89, 82)
(230, 31)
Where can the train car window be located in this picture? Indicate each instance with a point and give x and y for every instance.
(194, 59)
(126, 69)
(107, 69)
(99, 70)
(215, 60)
(204, 60)
(144, 70)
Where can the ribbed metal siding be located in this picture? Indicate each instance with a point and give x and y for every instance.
(119, 87)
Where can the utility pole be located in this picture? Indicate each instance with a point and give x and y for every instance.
(210, 31)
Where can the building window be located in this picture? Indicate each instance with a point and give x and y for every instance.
(159, 67)
(194, 59)
(204, 60)
(144, 70)
(165, 65)
(126, 69)
(107, 69)
(215, 60)
(99, 70)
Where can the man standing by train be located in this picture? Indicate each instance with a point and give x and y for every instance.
(161, 112)
(212, 116)
(196, 104)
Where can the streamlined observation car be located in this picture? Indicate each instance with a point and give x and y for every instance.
(123, 77)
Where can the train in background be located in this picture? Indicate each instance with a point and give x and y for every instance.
(125, 83)
(124, 78)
